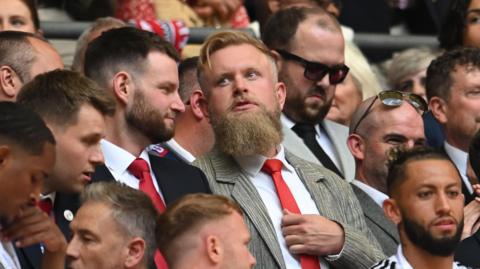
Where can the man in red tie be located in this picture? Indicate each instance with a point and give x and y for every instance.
(140, 70)
(74, 108)
(300, 215)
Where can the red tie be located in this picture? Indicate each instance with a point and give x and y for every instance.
(274, 168)
(139, 168)
(46, 205)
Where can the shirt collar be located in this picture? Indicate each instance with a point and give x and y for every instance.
(319, 129)
(253, 164)
(182, 152)
(117, 160)
(458, 156)
(375, 194)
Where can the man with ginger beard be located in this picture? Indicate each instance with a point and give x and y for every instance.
(426, 203)
(243, 101)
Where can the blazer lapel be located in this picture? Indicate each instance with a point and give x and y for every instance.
(169, 187)
(373, 212)
(245, 193)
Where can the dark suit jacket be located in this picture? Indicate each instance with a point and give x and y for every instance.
(65, 206)
(468, 252)
(468, 196)
(175, 179)
(384, 230)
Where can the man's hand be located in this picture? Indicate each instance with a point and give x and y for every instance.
(312, 234)
(471, 214)
(33, 227)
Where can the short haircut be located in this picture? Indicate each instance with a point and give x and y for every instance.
(187, 75)
(186, 215)
(223, 39)
(439, 72)
(32, 8)
(132, 210)
(125, 48)
(17, 52)
(401, 157)
(58, 95)
(100, 24)
(279, 31)
(453, 26)
(22, 127)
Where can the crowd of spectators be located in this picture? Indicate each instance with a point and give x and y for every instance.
(276, 143)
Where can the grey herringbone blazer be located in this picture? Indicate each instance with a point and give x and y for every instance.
(333, 197)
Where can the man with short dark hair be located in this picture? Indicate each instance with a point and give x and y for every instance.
(193, 133)
(453, 80)
(378, 126)
(113, 229)
(309, 48)
(27, 156)
(196, 232)
(22, 57)
(140, 70)
(426, 203)
(300, 214)
(74, 108)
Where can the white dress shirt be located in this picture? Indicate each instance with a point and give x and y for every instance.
(322, 139)
(460, 159)
(8, 257)
(263, 182)
(375, 194)
(117, 160)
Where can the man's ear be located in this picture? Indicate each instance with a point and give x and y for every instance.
(197, 100)
(281, 93)
(122, 86)
(135, 253)
(278, 59)
(392, 211)
(356, 145)
(10, 83)
(5, 155)
(214, 249)
(439, 109)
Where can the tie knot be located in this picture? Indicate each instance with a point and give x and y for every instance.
(138, 167)
(272, 166)
(302, 129)
(45, 205)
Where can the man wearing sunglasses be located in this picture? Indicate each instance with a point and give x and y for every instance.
(309, 49)
(391, 119)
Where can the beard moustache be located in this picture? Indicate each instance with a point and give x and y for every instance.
(248, 133)
(422, 238)
(147, 120)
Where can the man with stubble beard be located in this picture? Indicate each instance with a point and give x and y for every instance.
(140, 70)
(309, 48)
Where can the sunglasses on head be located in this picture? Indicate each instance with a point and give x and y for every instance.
(316, 71)
(395, 99)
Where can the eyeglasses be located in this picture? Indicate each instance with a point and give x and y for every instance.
(395, 99)
(316, 71)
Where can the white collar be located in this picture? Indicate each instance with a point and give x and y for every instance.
(402, 261)
(253, 164)
(117, 159)
(181, 151)
(375, 194)
(458, 156)
(319, 129)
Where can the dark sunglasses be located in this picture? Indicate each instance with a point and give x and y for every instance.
(395, 99)
(316, 71)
